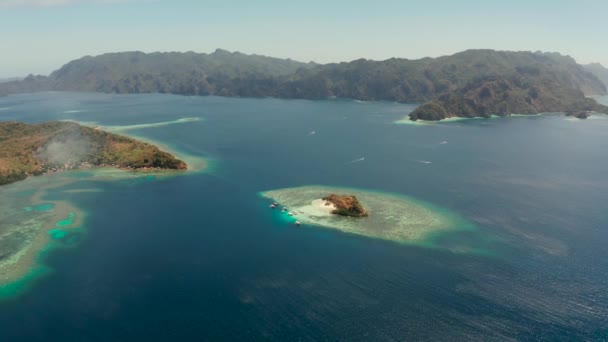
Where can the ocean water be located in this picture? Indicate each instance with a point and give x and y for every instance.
(201, 257)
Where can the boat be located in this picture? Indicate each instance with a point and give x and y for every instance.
(298, 223)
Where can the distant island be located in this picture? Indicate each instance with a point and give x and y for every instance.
(473, 83)
(29, 150)
(345, 205)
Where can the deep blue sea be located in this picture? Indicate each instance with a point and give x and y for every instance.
(200, 257)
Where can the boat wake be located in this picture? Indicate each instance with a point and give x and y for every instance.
(356, 160)
(123, 128)
(424, 162)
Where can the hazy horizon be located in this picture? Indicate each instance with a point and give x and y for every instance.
(42, 35)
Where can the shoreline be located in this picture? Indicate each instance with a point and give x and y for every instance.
(27, 264)
(193, 163)
(51, 229)
(421, 122)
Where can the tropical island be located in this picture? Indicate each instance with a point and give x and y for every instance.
(39, 149)
(345, 205)
(472, 83)
(395, 218)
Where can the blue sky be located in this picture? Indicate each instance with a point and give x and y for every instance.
(38, 36)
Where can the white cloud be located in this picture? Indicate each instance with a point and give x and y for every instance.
(50, 3)
(34, 3)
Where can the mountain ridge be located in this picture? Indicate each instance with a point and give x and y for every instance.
(600, 71)
(510, 82)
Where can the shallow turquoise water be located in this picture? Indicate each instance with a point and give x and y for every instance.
(201, 257)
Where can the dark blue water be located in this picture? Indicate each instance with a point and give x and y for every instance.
(201, 257)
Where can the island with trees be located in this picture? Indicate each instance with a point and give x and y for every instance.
(345, 205)
(38, 149)
(372, 214)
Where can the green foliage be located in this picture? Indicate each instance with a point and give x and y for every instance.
(11, 177)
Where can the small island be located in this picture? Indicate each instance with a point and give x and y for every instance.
(386, 216)
(39, 149)
(579, 115)
(345, 205)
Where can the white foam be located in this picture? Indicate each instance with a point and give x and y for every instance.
(358, 160)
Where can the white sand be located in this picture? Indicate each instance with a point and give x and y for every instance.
(324, 205)
(316, 208)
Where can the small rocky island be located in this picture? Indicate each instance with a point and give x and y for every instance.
(345, 205)
(387, 216)
(579, 114)
(31, 150)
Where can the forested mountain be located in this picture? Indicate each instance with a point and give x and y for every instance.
(186, 73)
(470, 83)
(599, 71)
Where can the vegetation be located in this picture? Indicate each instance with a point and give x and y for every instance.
(346, 205)
(56, 146)
(470, 83)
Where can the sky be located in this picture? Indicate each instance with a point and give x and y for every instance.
(39, 36)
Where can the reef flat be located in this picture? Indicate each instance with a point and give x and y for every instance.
(31, 225)
(391, 217)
